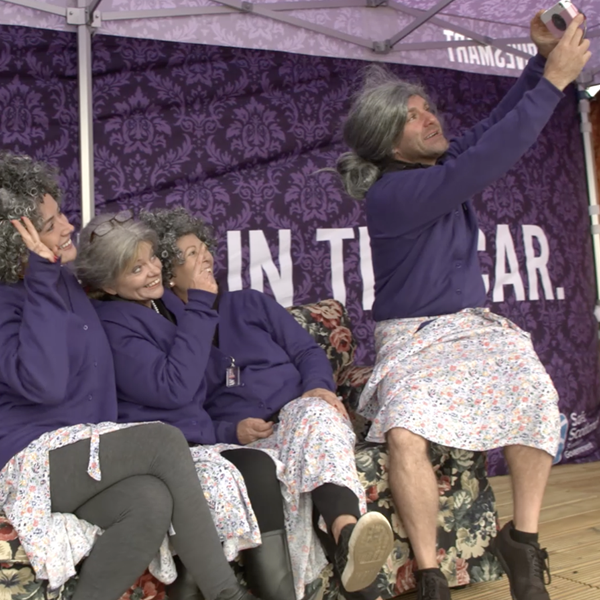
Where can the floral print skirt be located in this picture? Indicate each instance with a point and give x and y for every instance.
(469, 380)
(311, 445)
(227, 498)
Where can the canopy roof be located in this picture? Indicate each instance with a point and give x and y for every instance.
(484, 36)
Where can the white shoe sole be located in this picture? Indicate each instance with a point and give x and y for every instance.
(369, 546)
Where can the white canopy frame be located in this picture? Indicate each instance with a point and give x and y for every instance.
(87, 16)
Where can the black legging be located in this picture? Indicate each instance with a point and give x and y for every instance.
(175, 495)
(260, 476)
(331, 501)
(264, 491)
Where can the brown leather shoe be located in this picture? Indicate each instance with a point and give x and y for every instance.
(524, 564)
(432, 585)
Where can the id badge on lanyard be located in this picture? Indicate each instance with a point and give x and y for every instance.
(233, 376)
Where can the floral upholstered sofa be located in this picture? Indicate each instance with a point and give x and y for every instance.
(467, 517)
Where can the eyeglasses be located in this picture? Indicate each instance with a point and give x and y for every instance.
(106, 226)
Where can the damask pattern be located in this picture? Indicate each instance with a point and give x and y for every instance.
(368, 24)
(241, 138)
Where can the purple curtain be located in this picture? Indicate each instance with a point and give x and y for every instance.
(241, 137)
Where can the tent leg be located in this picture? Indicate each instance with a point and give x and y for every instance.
(592, 186)
(86, 130)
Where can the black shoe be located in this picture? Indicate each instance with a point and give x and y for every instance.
(524, 564)
(371, 592)
(268, 568)
(362, 549)
(236, 593)
(184, 587)
(432, 585)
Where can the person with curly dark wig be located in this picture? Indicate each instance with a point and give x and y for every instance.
(247, 363)
(67, 469)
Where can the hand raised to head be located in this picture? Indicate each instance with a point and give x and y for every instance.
(31, 237)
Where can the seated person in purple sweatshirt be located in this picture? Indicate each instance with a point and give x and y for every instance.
(265, 368)
(60, 448)
(160, 348)
(448, 370)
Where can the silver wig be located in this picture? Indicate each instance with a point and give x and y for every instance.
(23, 184)
(373, 126)
(170, 224)
(101, 259)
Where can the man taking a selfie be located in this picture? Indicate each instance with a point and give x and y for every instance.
(448, 370)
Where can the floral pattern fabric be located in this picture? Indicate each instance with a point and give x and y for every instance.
(311, 445)
(467, 518)
(469, 380)
(227, 498)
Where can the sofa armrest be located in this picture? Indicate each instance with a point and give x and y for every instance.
(351, 382)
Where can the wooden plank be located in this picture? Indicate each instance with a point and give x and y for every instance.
(572, 524)
(569, 528)
(566, 542)
(575, 558)
(560, 589)
(564, 495)
(588, 574)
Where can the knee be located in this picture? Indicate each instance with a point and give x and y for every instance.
(167, 437)
(153, 502)
(316, 411)
(256, 467)
(406, 446)
(262, 462)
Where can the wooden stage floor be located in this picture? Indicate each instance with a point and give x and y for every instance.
(569, 529)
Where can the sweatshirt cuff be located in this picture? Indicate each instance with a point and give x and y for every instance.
(41, 269)
(205, 298)
(226, 433)
(538, 62)
(550, 88)
(326, 384)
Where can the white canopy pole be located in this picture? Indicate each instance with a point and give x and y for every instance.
(81, 17)
(592, 185)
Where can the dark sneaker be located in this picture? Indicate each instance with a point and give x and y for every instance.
(362, 549)
(432, 585)
(236, 593)
(524, 564)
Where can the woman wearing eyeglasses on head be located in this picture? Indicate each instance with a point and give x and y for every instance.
(60, 448)
(160, 358)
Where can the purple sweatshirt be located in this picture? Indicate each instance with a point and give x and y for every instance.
(56, 367)
(421, 222)
(160, 365)
(278, 359)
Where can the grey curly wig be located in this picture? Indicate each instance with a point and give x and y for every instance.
(170, 225)
(101, 259)
(374, 124)
(23, 184)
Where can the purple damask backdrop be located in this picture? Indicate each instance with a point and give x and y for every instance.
(240, 136)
